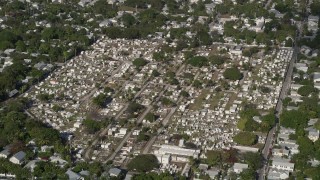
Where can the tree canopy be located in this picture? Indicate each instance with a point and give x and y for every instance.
(143, 163)
(139, 63)
(245, 138)
(293, 119)
(101, 100)
(134, 107)
(306, 90)
(156, 176)
(198, 61)
(92, 126)
(217, 59)
(232, 74)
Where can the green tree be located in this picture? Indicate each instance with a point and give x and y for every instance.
(92, 126)
(134, 107)
(150, 117)
(128, 20)
(268, 121)
(306, 90)
(139, 63)
(217, 60)
(248, 174)
(214, 157)
(315, 8)
(155, 73)
(101, 100)
(232, 74)
(254, 160)
(293, 119)
(143, 163)
(143, 137)
(184, 93)
(198, 61)
(245, 138)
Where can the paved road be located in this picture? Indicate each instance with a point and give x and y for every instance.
(283, 93)
(127, 136)
(166, 119)
(139, 120)
(88, 96)
(104, 131)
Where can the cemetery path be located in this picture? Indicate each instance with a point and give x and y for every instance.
(104, 131)
(164, 123)
(127, 136)
(140, 119)
(166, 119)
(87, 97)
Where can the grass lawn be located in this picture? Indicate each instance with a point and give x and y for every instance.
(214, 100)
(233, 97)
(199, 100)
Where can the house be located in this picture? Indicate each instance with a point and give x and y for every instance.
(112, 1)
(301, 67)
(316, 77)
(84, 2)
(114, 172)
(122, 131)
(203, 167)
(18, 158)
(313, 23)
(282, 164)
(13, 93)
(305, 50)
(31, 165)
(259, 25)
(280, 152)
(40, 66)
(163, 158)
(246, 149)
(236, 50)
(210, 8)
(315, 53)
(84, 173)
(314, 162)
(296, 86)
(313, 134)
(57, 1)
(58, 161)
(46, 148)
(275, 174)
(128, 176)
(5, 153)
(239, 167)
(257, 119)
(213, 173)
(177, 153)
(73, 176)
(312, 122)
(290, 108)
(276, 13)
(105, 23)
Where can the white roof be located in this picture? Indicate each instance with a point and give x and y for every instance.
(282, 162)
(169, 149)
(240, 166)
